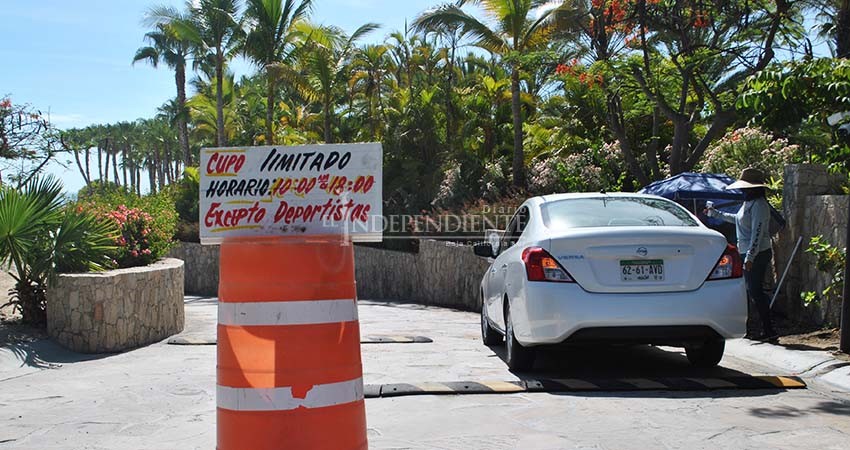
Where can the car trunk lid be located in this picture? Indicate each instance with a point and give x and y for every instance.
(631, 260)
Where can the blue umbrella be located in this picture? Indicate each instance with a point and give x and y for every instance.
(694, 189)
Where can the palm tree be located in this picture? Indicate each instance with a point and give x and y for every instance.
(173, 48)
(274, 34)
(370, 66)
(218, 31)
(519, 26)
(324, 66)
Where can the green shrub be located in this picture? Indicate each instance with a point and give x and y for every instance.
(750, 147)
(40, 237)
(147, 224)
(830, 260)
(186, 196)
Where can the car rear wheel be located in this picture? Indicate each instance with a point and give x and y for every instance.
(518, 357)
(489, 335)
(708, 354)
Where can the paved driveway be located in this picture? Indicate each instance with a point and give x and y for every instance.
(162, 396)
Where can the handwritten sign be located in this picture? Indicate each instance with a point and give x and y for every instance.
(290, 191)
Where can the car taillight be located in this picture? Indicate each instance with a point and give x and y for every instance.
(541, 266)
(729, 266)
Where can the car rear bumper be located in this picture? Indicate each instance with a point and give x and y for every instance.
(554, 313)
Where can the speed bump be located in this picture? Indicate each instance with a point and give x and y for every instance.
(191, 340)
(584, 385)
(376, 339)
(452, 388)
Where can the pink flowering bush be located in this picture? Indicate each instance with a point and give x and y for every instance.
(750, 147)
(591, 170)
(134, 242)
(146, 224)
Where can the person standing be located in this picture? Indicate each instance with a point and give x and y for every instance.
(752, 228)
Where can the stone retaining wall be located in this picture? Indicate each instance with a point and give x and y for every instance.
(201, 271)
(827, 217)
(810, 211)
(441, 274)
(117, 310)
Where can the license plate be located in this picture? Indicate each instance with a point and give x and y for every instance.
(642, 270)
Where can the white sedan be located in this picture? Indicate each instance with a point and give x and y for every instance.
(610, 268)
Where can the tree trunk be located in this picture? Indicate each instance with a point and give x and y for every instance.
(681, 135)
(115, 164)
(219, 98)
(152, 177)
(80, 167)
(166, 166)
(132, 171)
(182, 125)
(450, 119)
(105, 177)
(157, 169)
(519, 155)
(124, 165)
(99, 161)
(842, 32)
(326, 107)
(138, 180)
(616, 124)
(270, 100)
(88, 165)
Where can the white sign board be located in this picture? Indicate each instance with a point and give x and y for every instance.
(292, 191)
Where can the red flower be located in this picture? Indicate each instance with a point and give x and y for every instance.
(5, 103)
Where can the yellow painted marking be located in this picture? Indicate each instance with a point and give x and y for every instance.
(433, 387)
(783, 382)
(244, 227)
(225, 151)
(713, 383)
(502, 386)
(241, 202)
(643, 383)
(572, 383)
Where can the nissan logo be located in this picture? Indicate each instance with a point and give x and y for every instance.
(642, 251)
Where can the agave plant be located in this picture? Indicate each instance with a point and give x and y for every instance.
(40, 237)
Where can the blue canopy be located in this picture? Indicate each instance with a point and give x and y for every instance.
(689, 185)
(692, 190)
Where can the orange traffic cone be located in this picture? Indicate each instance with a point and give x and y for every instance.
(289, 369)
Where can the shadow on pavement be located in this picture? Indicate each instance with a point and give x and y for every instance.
(32, 348)
(826, 407)
(605, 364)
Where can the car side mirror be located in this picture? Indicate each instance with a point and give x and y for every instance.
(484, 249)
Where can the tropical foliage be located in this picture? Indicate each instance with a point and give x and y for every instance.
(40, 237)
(487, 99)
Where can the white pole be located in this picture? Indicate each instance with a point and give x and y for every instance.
(785, 273)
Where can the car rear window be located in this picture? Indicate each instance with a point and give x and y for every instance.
(615, 212)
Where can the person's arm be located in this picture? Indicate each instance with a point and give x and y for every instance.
(718, 214)
(759, 220)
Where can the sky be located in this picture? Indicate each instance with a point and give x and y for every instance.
(73, 59)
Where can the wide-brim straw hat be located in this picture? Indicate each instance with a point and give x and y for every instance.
(750, 178)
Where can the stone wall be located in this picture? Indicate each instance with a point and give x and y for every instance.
(810, 211)
(117, 310)
(201, 271)
(441, 274)
(827, 217)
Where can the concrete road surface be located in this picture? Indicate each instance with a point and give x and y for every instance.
(163, 396)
